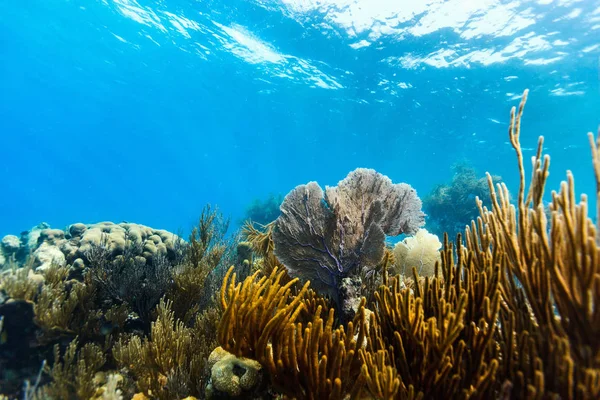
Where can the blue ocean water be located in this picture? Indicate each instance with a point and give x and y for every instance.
(146, 110)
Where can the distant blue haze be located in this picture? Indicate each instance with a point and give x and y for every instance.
(145, 111)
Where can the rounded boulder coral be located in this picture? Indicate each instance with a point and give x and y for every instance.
(231, 376)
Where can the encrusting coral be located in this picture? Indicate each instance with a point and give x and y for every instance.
(230, 375)
(47, 246)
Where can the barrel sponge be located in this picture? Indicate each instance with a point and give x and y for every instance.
(231, 375)
(421, 251)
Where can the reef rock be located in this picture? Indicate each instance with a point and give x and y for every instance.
(47, 255)
(18, 354)
(30, 237)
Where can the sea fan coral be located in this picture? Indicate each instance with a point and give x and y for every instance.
(326, 237)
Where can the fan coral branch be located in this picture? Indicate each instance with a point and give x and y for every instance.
(326, 237)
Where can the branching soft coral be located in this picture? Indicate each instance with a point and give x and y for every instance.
(261, 241)
(516, 314)
(255, 311)
(305, 360)
(73, 373)
(170, 362)
(438, 338)
(550, 280)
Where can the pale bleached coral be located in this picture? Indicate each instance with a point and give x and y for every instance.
(421, 251)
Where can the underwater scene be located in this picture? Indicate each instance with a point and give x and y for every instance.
(300, 199)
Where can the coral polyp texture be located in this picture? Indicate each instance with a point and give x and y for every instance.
(328, 236)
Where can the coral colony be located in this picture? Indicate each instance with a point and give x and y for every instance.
(316, 304)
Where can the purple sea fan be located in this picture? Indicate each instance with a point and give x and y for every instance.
(326, 237)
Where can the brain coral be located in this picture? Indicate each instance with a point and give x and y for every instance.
(231, 375)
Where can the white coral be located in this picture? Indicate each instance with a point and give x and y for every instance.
(421, 251)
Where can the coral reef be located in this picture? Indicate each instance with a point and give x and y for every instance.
(263, 211)
(510, 310)
(512, 314)
(111, 305)
(451, 206)
(327, 237)
(72, 245)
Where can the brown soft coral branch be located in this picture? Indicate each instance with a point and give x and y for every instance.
(304, 361)
(256, 311)
(318, 362)
(550, 279)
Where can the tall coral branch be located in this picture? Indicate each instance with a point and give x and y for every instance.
(550, 282)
